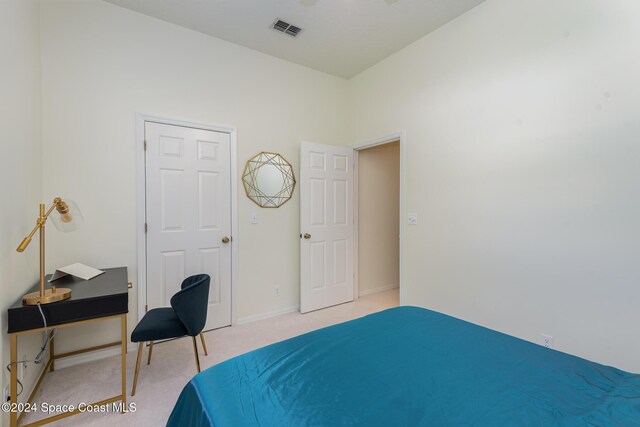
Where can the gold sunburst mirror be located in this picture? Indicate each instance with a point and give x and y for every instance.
(268, 180)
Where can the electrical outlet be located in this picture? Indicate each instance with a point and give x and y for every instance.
(22, 368)
(413, 219)
(276, 291)
(547, 341)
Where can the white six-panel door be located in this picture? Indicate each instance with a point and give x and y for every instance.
(326, 219)
(188, 214)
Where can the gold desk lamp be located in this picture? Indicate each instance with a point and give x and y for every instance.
(68, 219)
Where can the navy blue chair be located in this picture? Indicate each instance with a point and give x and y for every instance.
(186, 317)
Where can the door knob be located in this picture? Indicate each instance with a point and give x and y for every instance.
(307, 236)
(225, 239)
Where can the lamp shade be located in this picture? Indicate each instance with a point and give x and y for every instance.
(67, 216)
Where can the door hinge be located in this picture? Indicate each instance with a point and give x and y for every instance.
(145, 145)
(145, 227)
(146, 308)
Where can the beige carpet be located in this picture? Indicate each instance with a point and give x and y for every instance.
(173, 365)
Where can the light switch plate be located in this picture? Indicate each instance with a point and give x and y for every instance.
(413, 219)
(254, 218)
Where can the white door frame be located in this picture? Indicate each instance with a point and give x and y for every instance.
(386, 139)
(141, 206)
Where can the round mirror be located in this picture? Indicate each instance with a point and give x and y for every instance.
(268, 180)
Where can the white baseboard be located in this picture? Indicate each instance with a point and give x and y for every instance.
(249, 319)
(132, 348)
(378, 289)
(92, 356)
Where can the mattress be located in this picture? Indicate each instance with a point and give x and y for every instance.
(408, 366)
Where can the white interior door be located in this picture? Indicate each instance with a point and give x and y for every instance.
(188, 211)
(326, 219)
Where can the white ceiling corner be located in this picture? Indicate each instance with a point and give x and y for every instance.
(340, 37)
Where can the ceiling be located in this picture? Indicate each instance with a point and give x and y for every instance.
(340, 37)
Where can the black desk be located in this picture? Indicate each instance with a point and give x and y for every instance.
(101, 298)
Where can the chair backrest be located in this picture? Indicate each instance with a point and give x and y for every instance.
(191, 302)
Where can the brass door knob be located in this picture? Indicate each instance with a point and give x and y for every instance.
(307, 236)
(225, 239)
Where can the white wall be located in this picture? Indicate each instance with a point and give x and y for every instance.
(522, 120)
(20, 166)
(522, 160)
(102, 64)
(378, 218)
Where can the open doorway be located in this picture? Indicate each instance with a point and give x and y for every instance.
(377, 228)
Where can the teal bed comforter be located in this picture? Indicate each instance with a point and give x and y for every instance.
(408, 366)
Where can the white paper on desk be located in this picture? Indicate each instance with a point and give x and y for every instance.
(77, 270)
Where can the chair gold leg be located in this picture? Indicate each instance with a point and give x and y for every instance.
(195, 350)
(204, 345)
(135, 376)
(150, 351)
(52, 353)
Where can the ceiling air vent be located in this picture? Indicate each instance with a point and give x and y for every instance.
(286, 28)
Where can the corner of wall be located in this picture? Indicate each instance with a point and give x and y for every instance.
(21, 168)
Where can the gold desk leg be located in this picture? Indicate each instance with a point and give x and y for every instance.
(52, 354)
(13, 388)
(123, 338)
(204, 345)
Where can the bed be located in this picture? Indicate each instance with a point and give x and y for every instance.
(408, 366)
